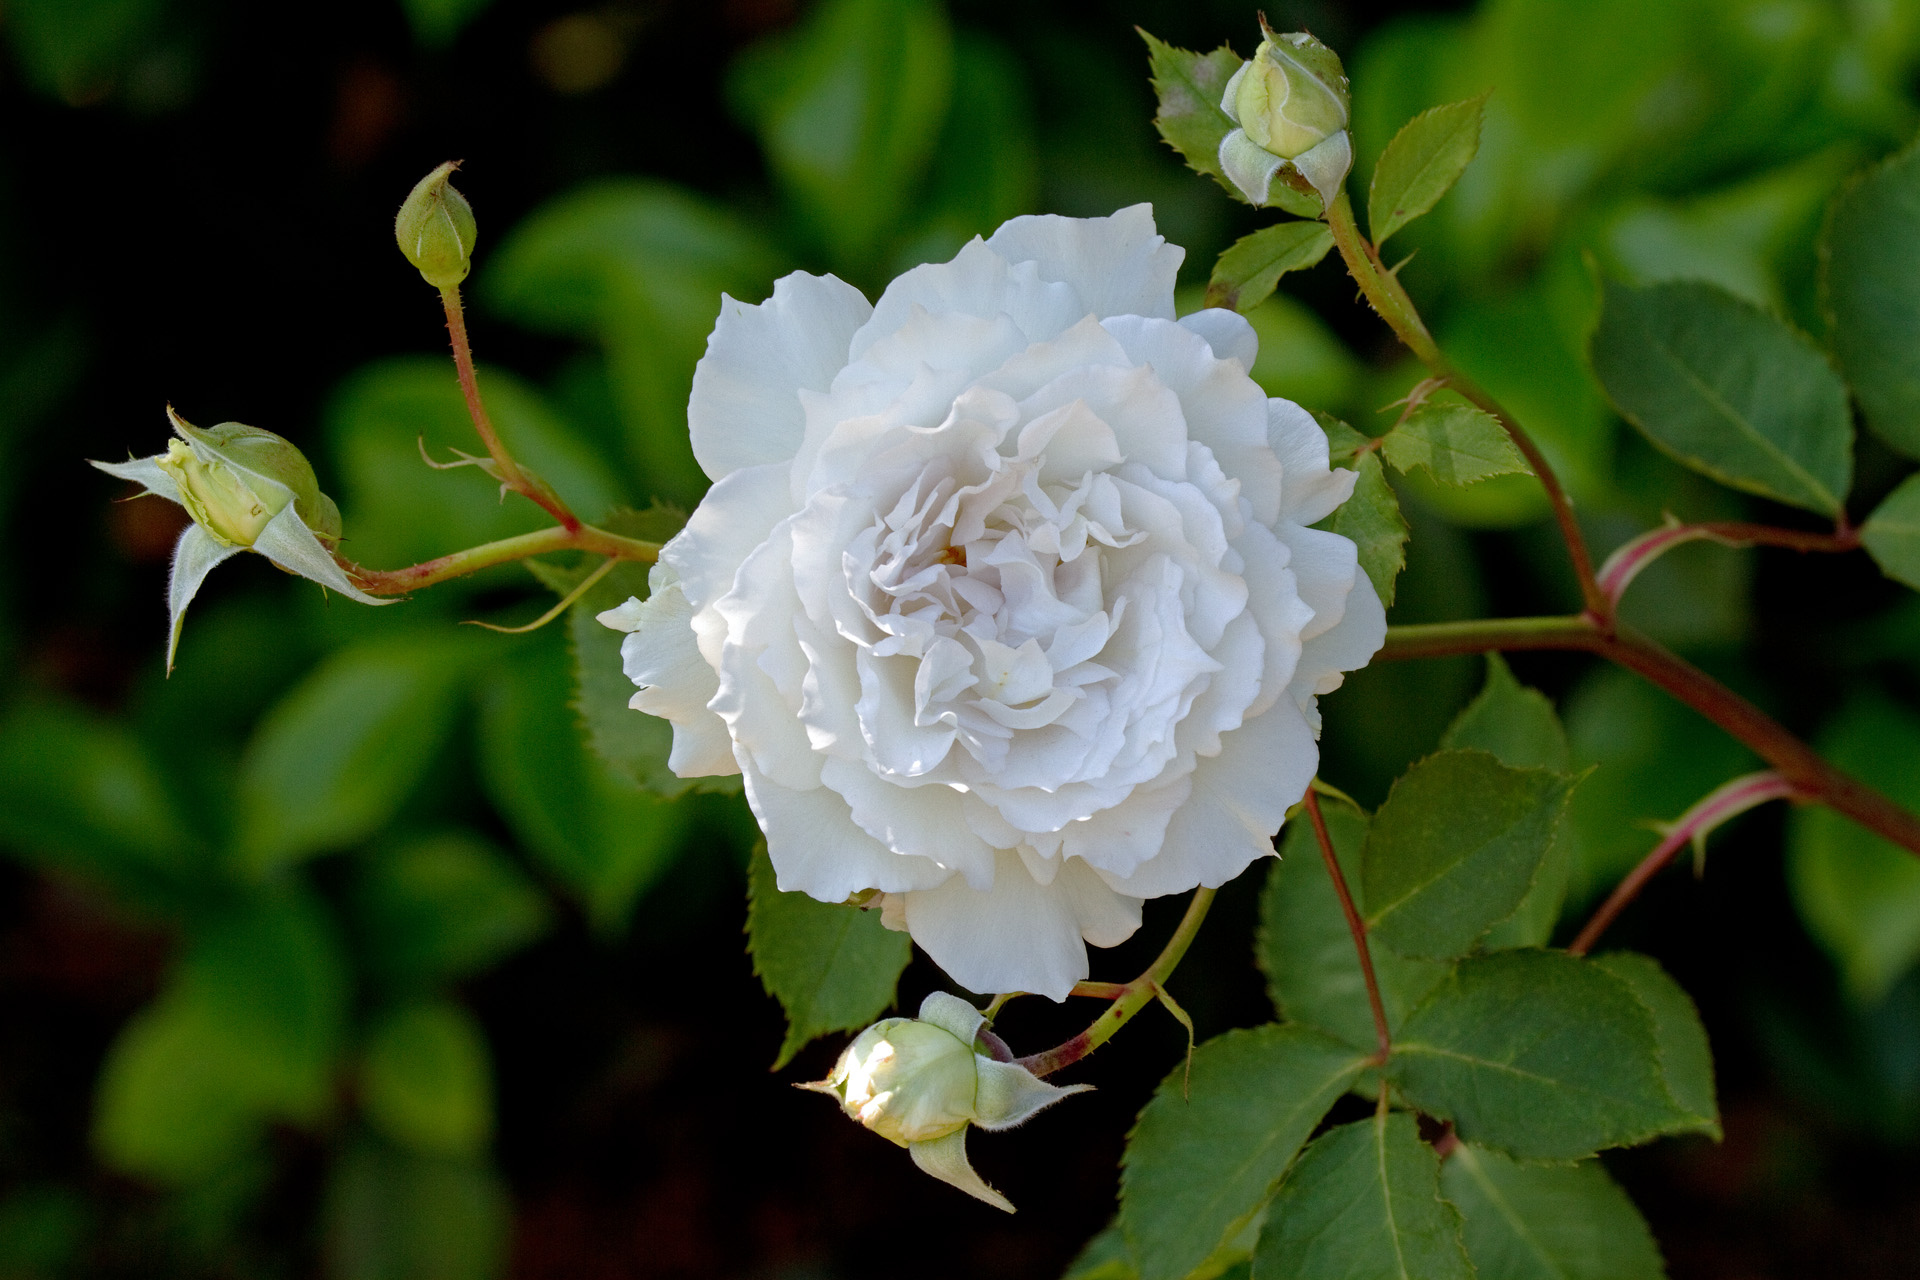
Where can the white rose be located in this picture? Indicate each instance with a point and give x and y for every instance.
(1003, 599)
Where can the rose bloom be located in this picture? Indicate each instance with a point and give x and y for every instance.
(1003, 600)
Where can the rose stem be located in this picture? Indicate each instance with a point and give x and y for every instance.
(511, 473)
(582, 537)
(1625, 564)
(1355, 925)
(1133, 997)
(1734, 798)
(1812, 777)
(1383, 290)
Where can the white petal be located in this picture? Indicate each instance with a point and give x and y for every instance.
(978, 282)
(1240, 797)
(1248, 166)
(1011, 1094)
(1016, 936)
(952, 1015)
(928, 822)
(194, 557)
(661, 655)
(1309, 489)
(946, 1159)
(290, 544)
(745, 407)
(1119, 265)
(817, 850)
(1348, 646)
(144, 471)
(1227, 332)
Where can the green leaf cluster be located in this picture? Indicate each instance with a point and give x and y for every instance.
(1534, 1058)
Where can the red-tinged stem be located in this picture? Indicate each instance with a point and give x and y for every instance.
(511, 473)
(1811, 776)
(1383, 290)
(1625, 564)
(582, 537)
(1734, 798)
(1355, 925)
(1132, 997)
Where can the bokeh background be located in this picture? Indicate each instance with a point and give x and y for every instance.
(338, 955)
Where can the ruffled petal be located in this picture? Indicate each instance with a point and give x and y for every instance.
(1310, 490)
(1015, 936)
(817, 850)
(978, 282)
(1227, 332)
(661, 656)
(1347, 646)
(1118, 266)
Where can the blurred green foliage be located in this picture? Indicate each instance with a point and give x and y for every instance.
(342, 816)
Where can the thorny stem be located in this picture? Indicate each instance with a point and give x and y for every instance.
(1131, 997)
(511, 473)
(1624, 565)
(1810, 775)
(1383, 290)
(1727, 801)
(1355, 925)
(582, 537)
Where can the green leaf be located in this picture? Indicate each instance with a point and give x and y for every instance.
(1728, 390)
(1686, 1060)
(42, 1230)
(1364, 1201)
(1870, 255)
(989, 167)
(832, 967)
(1519, 727)
(1512, 722)
(848, 106)
(1457, 444)
(1539, 1054)
(399, 512)
(436, 22)
(1306, 950)
(1105, 1257)
(1859, 894)
(1189, 87)
(606, 839)
(637, 267)
(1208, 1148)
(1421, 164)
(1891, 534)
(1248, 272)
(426, 1081)
(442, 907)
(330, 764)
(1372, 519)
(397, 1215)
(77, 51)
(1455, 848)
(246, 1031)
(80, 794)
(1547, 1222)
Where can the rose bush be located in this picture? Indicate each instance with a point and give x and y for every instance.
(1004, 598)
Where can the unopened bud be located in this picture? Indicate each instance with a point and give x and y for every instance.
(1291, 103)
(234, 478)
(920, 1082)
(436, 230)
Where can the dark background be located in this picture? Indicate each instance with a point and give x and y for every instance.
(203, 217)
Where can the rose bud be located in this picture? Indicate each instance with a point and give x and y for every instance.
(246, 489)
(1290, 101)
(919, 1082)
(436, 230)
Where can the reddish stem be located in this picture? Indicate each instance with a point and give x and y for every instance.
(1355, 925)
(1625, 564)
(511, 473)
(1811, 776)
(1734, 798)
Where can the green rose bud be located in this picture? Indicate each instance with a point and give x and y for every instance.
(1290, 101)
(436, 230)
(919, 1082)
(246, 489)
